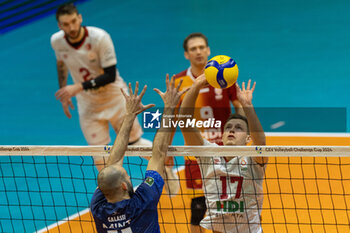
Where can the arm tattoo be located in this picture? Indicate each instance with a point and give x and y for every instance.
(62, 72)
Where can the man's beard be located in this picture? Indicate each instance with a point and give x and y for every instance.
(130, 189)
(74, 37)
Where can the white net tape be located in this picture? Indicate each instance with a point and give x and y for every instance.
(203, 151)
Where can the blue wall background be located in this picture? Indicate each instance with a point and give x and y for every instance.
(297, 51)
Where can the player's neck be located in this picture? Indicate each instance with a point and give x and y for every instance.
(79, 38)
(197, 70)
(118, 198)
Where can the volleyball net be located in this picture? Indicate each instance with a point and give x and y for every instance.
(49, 188)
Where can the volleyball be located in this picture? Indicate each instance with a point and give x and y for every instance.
(221, 71)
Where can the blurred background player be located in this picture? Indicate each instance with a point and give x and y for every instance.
(232, 185)
(114, 205)
(88, 54)
(211, 103)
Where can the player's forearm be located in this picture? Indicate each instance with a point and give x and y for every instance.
(62, 72)
(189, 101)
(121, 143)
(163, 136)
(107, 77)
(192, 136)
(238, 107)
(173, 130)
(255, 127)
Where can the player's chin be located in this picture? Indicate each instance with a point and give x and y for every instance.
(200, 61)
(73, 35)
(230, 142)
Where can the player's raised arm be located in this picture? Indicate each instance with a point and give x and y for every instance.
(162, 138)
(245, 96)
(133, 108)
(192, 136)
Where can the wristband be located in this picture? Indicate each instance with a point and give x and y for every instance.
(93, 83)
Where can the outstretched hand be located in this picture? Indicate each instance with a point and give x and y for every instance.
(245, 95)
(133, 101)
(172, 94)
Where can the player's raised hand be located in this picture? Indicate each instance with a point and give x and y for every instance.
(245, 95)
(201, 81)
(65, 105)
(172, 94)
(133, 101)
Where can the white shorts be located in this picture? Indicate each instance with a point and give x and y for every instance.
(95, 118)
(96, 131)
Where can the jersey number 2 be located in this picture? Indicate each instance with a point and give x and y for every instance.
(233, 179)
(85, 72)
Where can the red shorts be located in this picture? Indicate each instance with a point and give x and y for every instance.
(193, 174)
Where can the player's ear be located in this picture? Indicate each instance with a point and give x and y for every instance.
(124, 186)
(208, 51)
(59, 25)
(80, 17)
(186, 55)
(248, 139)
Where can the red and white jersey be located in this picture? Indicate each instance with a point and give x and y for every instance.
(234, 193)
(87, 62)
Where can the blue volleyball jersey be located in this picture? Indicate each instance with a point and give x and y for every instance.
(138, 214)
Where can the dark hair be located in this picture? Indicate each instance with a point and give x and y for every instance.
(238, 116)
(66, 9)
(194, 35)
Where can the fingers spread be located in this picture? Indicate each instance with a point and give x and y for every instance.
(149, 106)
(158, 91)
(248, 86)
(172, 81)
(124, 94)
(143, 91)
(130, 89)
(238, 89)
(253, 88)
(167, 81)
(184, 91)
(179, 85)
(136, 88)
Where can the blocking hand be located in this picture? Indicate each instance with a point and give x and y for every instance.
(133, 101)
(172, 94)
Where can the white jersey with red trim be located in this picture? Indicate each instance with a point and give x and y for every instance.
(87, 62)
(234, 193)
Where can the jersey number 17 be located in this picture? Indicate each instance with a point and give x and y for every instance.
(232, 179)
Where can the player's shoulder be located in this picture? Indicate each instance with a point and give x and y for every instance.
(96, 32)
(181, 74)
(56, 37)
